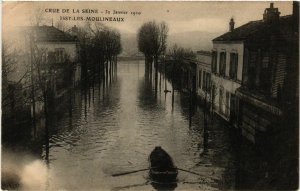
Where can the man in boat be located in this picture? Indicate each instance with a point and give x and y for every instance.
(160, 159)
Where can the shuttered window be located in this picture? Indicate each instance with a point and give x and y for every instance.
(214, 61)
(59, 55)
(222, 64)
(233, 66)
(200, 78)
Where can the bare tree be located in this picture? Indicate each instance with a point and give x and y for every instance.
(147, 39)
(152, 42)
(162, 39)
(10, 57)
(99, 47)
(8, 61)
(8, 67)
(179, 56)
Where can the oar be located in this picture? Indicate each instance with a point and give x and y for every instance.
(134, 171)
(130, 172)
(190, 172)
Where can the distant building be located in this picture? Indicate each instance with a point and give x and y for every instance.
(203, 73)
(189, 76)
(60, 47)
(52, 49)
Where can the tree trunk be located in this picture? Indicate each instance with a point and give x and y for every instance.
(45, 97)
(116, 64)
(32, 90)
(106, 69)
(150, 67)
(110, 69)
(156, 74)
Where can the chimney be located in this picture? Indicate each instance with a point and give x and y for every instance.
(231, 25)
(271, 14)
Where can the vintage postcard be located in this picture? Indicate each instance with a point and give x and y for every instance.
(163, 95)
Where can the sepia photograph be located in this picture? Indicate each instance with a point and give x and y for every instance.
(160, 95)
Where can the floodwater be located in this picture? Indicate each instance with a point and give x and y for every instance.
(114, 129)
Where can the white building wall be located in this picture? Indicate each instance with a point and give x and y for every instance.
(228, 85)
(203, 65)
(230, 48)
(201, 68)
(70, 48)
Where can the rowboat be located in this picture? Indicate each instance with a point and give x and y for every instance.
(162, 168)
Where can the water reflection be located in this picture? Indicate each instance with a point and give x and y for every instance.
(158, 186)
(112, 127)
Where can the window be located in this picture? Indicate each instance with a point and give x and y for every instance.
(222, 65)
(45, 57)
(59, 55)
(214, 62)
(221, 99)
(232, 108)
(204, 81)
(233, 66)
(200, 78)
(227, 105)
(208, 75)
(251, 69)
(213, 94)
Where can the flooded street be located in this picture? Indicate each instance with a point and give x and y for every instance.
(150, 96)
(112, 128)
(115, 130)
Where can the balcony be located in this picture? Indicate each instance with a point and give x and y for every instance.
(259, 100)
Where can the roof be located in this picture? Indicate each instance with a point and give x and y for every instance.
(51, 34)
(252, 28)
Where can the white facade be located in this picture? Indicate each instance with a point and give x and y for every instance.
(224, 86)
(69, 48)
(21, 44)
(203, 74)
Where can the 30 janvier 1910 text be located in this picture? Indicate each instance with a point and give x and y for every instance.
(92, 11)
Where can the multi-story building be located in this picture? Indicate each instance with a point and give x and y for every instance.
(44, 56)
(58, 47)
(254, 71)
(226, 71)
(269, 88)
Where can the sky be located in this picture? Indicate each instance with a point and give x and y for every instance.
(180, 16)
